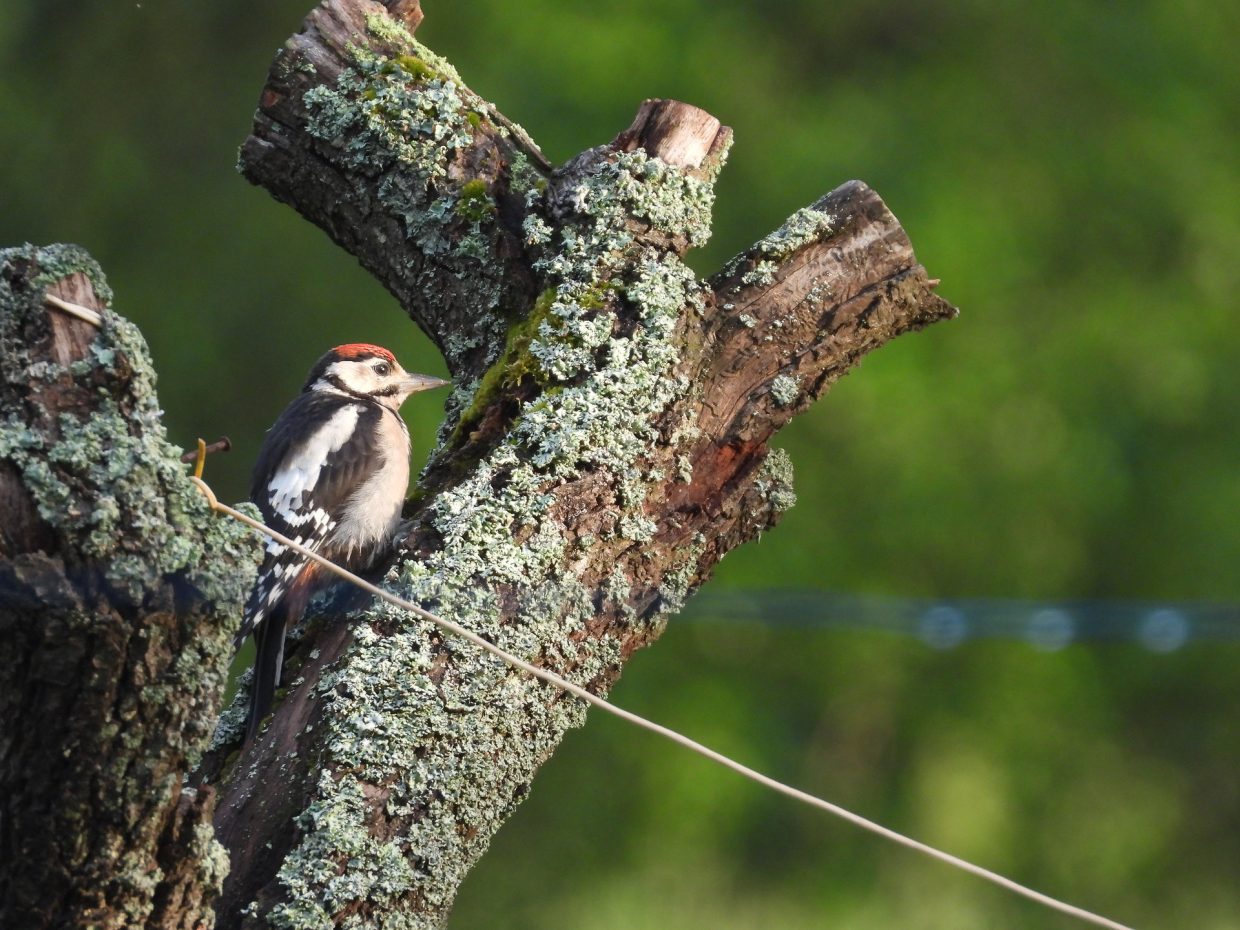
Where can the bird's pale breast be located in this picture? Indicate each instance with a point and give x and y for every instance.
(374, 508)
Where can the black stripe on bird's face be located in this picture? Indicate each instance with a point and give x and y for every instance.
(368, 373)
(338, 383)
(374, 378)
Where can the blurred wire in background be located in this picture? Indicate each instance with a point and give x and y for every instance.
(945, 624)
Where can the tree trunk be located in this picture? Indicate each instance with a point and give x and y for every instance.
(606, 444)
(118, 592)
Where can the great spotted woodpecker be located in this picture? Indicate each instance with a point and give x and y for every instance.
(331, 475)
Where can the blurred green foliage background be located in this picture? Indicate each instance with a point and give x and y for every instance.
(1071, 170)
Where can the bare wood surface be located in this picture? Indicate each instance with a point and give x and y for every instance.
(676, 133)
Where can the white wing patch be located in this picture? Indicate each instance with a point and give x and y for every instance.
(297, 477)
(289, 496)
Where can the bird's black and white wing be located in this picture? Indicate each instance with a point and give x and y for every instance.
(318, 453)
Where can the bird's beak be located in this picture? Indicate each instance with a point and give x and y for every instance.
(415, 383)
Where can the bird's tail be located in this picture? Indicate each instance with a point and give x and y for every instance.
(269, 659)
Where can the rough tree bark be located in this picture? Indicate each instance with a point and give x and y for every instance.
(117, 596)
(605, 445)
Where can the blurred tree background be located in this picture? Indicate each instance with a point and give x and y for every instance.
(1070, 171)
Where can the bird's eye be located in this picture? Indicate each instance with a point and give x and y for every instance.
(383, 369)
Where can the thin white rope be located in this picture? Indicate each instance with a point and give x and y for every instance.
(88, 314)
(596, 701)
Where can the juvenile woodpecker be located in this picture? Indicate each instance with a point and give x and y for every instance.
(331, 475)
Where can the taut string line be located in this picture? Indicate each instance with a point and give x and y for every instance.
(595, 701)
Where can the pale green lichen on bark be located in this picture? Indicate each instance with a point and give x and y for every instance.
(803, 228)
(230, 727)
(405, 117)
(799, 230)
(386, 29)
(785, 389)
(526, 180)
(211, 854)
(775, 482)
(384, 719)
(111, 482)
(112, 491)
(761, 274)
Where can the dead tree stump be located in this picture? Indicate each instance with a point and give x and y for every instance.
(606, 444)
(118, 597)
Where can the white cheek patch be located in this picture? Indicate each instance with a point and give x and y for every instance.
(356, 376)
(292, 484)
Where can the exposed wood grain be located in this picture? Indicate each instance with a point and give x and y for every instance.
(62, 339)
(677, 133)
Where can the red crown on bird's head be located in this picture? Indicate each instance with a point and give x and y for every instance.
(360, 350)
